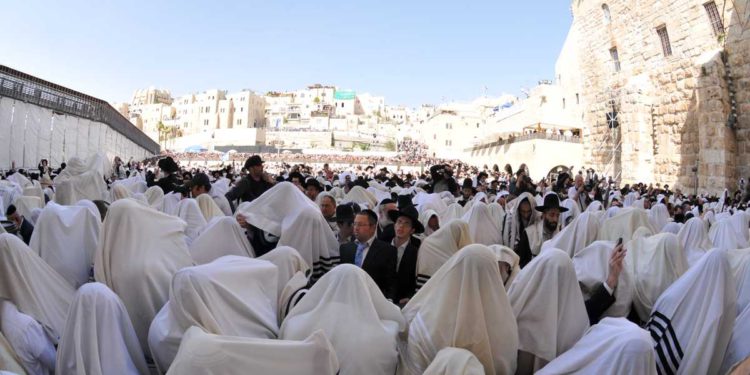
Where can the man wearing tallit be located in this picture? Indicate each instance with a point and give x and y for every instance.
(520, 216)
(544, 230)
(463, 305)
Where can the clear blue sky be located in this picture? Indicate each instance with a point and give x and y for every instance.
(411, 52)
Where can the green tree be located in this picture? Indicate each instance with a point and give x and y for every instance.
(390, 146)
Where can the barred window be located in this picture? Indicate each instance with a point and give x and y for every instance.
(615, 58)
(714, 17)
(666, 47)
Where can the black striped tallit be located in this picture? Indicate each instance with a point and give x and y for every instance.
(666, 345)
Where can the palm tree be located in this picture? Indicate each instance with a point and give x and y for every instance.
(162, 129)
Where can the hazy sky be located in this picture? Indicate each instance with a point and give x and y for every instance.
(411, 52)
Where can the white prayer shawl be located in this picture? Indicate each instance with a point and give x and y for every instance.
(548, 306)
(223, 204)
(739, 260)
(32, 285)
(268, 211)
(294, 276)
(611, 212)
(658, 216)
(426, 202)
(484, 228)
(455, 361)
(28, 340)
(436, 249)
(497, 211)
(694, 240)
(739, 346)
(639, 204)
(34, 190)
(655, 263)
(221, 236)
(9, 191)
(512, 226)
(25, 204)
(233, 296)
(19, 179)
(507, 255)
(710, 218)
(577, 235)
(692, 321)
(89, 205)
(571, 214)
(220, 187)
(208, 207)
(171, 203)
(454, 212)
(379, 195)
(624, 224)
(642, 232)
(155, 197)
(360, 196)
(595, 206)
(118, 191)
(592, 268)
(464, 305)
(206, 354)
(139, 251)
(724, 236)
(189, 211)
(35, 216)
(99, 337)
(9, 361)
(82, 180)
(741, 223)
(348, 306)
(66, 238)
(424, 218)
(613, 346)
(672, 227)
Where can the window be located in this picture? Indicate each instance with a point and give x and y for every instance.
(578, 99)
(208, 109)
(242, 109)
(606, 14)
(205, 122)
(239, 122)
(615, 58)
(448, 143)
(666, 47)
(714, 17)
(563, 103)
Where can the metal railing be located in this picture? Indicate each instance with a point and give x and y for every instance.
(30, 89)
(525, 137)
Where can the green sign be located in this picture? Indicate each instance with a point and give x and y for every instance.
(344, 95)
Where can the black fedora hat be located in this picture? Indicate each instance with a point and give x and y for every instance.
(551, 201)
(411, 213)
(344, 213)
(168, 165)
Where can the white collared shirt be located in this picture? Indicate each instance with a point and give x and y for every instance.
(400, 251)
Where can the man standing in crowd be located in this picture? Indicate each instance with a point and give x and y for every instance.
(406, 226)
(535, 235)
(312, 188)
(328, 209)
(385, 224)
(376, 257)
(252, 185)
(345, 223)
(24, 227)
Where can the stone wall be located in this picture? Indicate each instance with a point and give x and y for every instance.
(673, 110)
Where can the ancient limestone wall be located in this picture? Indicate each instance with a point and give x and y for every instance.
(673, 110)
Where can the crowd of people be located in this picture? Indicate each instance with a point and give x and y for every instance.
(299, 264)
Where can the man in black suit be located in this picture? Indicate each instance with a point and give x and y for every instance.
(23, 227)
(406, 225)
(376, 257)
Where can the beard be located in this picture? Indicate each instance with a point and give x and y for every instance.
(550, 226)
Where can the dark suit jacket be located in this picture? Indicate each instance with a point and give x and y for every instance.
(598, 303)
(380, 264)
(407, 271)
(386, 234)
(26, 230)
